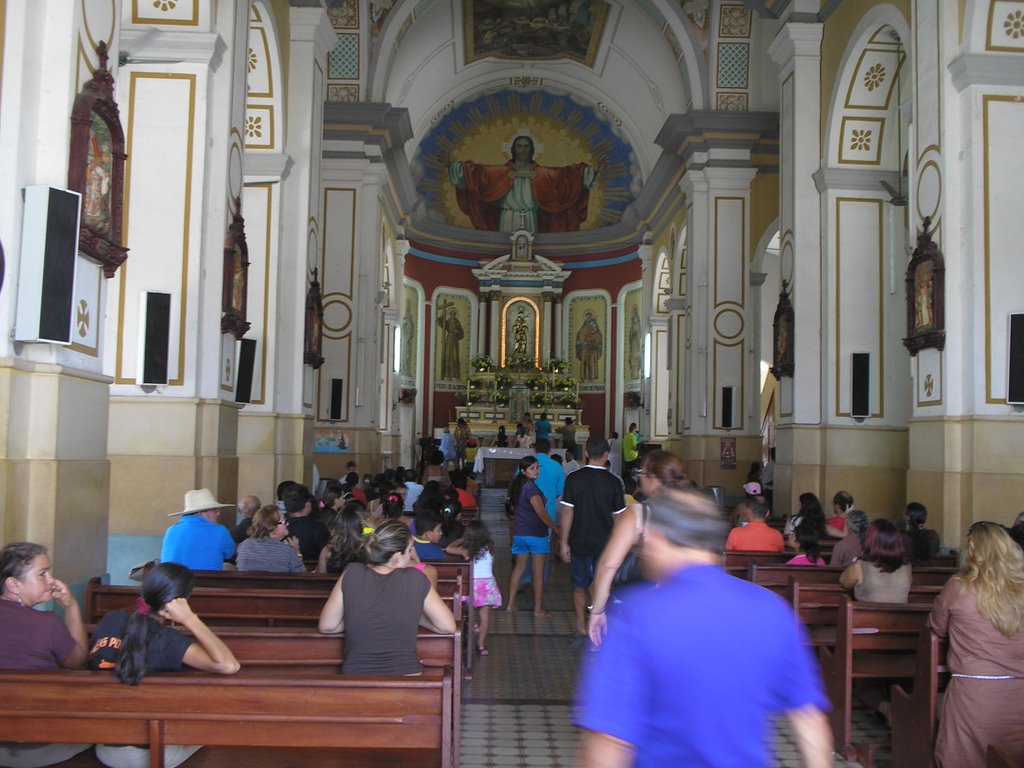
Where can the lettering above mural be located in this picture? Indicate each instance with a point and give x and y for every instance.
(533, 161)
(534, 29)
(588, 341)
(452, 336)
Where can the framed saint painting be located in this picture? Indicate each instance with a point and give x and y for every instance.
(96, 168)
(926, 289)
(234, 290)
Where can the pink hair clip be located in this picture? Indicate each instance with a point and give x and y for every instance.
(142, 607)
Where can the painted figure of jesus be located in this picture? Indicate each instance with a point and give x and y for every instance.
(522, 194)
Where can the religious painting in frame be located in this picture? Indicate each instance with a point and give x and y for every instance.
(588, 341)
(314, 336)
(96, 168)
(234, 290)
(926, 289)
(451, 330)
(632, 341)
(782, 336)
(727, 453)
(542, 29)
(410, 324)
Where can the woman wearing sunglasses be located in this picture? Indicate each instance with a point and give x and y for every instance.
(269, 548)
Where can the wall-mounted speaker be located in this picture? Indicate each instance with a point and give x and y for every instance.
(1015, 361)
(46, 271)
(154, 337)
(726, 407)
(336, 390)
(245, 366)
(860, 386)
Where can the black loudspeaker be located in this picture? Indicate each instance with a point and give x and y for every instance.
(156, 337)
(245, 367)
(726, 407)
(46, 279)
(336, 389)
(860, 399)
(1015, 363)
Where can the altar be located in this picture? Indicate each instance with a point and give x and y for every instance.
(495, 467)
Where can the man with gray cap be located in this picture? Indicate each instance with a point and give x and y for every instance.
(695, 665)
(198, 540)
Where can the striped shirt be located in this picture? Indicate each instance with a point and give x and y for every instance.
(268, 554)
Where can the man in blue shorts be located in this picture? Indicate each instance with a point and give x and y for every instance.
(696, 665)
(591, 498)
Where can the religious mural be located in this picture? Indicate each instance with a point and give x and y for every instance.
(534, 161)
(588, 341)
(452, 313)
(533, 29)
(409, 324)
(632, 341)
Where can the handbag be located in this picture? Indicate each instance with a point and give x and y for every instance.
(629, 572)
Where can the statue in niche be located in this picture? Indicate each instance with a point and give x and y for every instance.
(408, 340)
(634, 344)
(520, 333)
(589, 346)
(522, 194)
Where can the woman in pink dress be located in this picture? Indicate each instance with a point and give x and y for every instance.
(981, 611)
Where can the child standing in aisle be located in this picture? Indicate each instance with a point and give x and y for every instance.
(477, 545)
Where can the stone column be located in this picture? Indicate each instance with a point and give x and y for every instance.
(545, 329)
(797, 51)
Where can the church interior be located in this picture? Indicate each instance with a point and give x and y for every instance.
(303, 242)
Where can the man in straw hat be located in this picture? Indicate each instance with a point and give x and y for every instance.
(697, 663)
(198, 540)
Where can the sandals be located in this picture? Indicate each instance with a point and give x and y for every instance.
(482, 650)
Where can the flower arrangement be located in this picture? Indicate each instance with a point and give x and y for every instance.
(501, 398)
(536, 382)
(473, 382)
(502, 380)
(521, 362)
(556, 366)
(569, 400)
(481, 364)
(566, 384)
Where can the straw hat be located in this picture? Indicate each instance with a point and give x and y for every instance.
(199, 501)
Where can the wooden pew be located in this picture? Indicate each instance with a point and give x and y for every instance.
(376, 720)
(873, 641)
(239, 606)
(817, 606)
(915, 715)
(942, 561)
(308, 652)
(776, 577)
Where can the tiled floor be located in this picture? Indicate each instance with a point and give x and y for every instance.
(515, 710)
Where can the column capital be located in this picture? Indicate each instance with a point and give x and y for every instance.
(795, 40)
(312, 25)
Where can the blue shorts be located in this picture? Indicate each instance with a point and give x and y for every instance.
(530, 545)
(581, 571)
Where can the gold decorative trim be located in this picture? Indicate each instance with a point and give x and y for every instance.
(138, 18)
(880, 208)
(986, 100)
(1014, 21)
(265, 64)
(133, 80)
(879, 122)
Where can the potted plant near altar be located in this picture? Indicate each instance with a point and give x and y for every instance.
(481, 364)
(502, 380)
(566, 384)
(520, 362)
(501, 397)
(556, 366)
(535, 383)
(569, 400)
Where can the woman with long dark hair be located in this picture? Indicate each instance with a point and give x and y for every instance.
(922, 544)
(133, 644)
(530, 532)
(346, 539)
(880, 574)
(379, 602)
(981, 611)
(661, 470)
